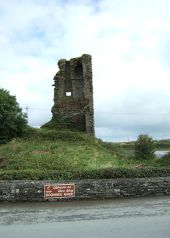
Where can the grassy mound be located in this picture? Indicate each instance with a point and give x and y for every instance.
(51, 154)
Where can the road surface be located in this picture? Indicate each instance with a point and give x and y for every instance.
(118, 218)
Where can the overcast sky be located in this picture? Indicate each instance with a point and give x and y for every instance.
(129, 41)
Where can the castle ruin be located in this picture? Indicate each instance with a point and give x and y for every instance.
(73, 95)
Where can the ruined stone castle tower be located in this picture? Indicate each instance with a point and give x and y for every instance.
(73, 95)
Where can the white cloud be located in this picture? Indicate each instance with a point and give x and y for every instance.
(129, 43)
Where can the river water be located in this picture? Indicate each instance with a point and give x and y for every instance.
(161, 153)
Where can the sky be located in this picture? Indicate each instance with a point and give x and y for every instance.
(129, 41)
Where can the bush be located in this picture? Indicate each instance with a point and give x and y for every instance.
(12, 120)
(144, 147)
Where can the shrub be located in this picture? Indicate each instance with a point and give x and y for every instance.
(144, 147)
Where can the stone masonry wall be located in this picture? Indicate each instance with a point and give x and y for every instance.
(86, 189)
(73, 94)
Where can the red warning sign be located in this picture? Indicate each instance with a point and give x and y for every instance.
(59, 191)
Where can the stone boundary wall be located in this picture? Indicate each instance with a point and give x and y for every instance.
(22, 190)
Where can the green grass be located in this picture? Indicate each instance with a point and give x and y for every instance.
(45, 154)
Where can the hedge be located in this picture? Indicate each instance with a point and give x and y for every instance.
(109, 173)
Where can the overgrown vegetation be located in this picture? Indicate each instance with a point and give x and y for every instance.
(12, 120)
(51, 154)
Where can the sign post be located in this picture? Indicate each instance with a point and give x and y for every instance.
(59, 191)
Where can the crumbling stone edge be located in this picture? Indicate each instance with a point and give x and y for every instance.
(24, 190)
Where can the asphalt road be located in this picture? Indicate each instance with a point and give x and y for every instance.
(120, 218)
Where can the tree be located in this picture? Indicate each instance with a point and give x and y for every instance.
(12, 120)
(144, 147)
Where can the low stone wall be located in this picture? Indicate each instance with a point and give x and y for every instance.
(20, 190)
